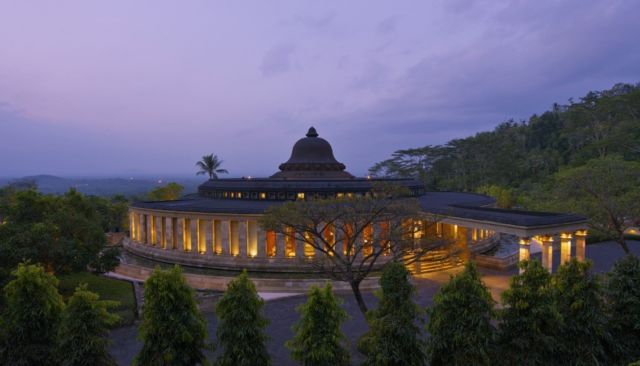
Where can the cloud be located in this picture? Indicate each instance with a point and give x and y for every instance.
(277, 60)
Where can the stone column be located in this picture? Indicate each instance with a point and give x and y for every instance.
(217, 237)
(194, 236)
(252, 238)
(242, 238)
(225, 229)
(525, 250)
(144, 229)
(209, 242)
(174, 233)
(339, 245)
(565, 248)
(280, 244)
(163, 232)
(262, 243)
(299, 247)
(179, 231)
(153, 230)
(202, 236)
(581, 240)
(131, 226)
(547, 252)
(186, 235)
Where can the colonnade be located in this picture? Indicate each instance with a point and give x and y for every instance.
(226, 236)
(240, 236)
(570, 243)
(243, 237)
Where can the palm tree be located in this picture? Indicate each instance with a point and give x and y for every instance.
(210, 164)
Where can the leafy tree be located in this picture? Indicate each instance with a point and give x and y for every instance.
(459, 327)
(623, 297)
(340, 230)
(241, 327)
(318, 340)
(394, 337)
(584, 336)
(210, 165)
(64, 233)
(529, 321)
(107, 260)
(523, 155)
(606, 190)
(82, 337)
(173, 330)
(170, 192)
(505, 197)
(30, 318)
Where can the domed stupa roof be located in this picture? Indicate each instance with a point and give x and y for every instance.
(312, 158)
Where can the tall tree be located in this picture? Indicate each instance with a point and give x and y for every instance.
(623, 297)
(170, 192)
(459, 326)
(30, 318)
(318, 340)
(522, 155)
(82, 337)
(584, 337)
(63, 233)
(340, 230)
(173, 330)
(606, 190)
(241, 327)
(394, 336)
(210, 165)
(529, 321)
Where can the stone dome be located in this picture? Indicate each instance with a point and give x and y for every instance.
(312, 157)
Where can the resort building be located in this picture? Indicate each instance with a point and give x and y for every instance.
(218, 228)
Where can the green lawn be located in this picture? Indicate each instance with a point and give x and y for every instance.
(107, 288)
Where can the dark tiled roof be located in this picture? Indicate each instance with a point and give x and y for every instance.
(456, 204)
(302, 185)
(466, 206)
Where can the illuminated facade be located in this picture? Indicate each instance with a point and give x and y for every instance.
(218, 227)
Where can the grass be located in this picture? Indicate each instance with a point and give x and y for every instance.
(107, 288)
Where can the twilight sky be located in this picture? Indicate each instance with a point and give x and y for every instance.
(125, 87)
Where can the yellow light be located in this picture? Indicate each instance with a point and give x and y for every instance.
(263, 195)
(301, 196)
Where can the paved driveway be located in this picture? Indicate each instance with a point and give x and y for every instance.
(282, 314)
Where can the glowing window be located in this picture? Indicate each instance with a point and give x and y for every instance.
(271, 244)
(290, 243)
(309, 250)
(300, 196)
(263, 195)
(340, 195)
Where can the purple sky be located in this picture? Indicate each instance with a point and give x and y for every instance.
(125, 87)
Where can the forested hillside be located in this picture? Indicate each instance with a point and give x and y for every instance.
(520, 156)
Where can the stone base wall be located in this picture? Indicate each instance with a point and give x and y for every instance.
(499, 263)
(219, 283)
(230, 262)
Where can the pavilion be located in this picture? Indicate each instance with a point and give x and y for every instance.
(218, 228)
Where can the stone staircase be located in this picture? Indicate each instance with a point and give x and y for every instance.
(434, 261)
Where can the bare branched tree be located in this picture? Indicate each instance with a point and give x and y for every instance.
(355, 235)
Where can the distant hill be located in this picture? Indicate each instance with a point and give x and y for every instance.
(51, 184)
